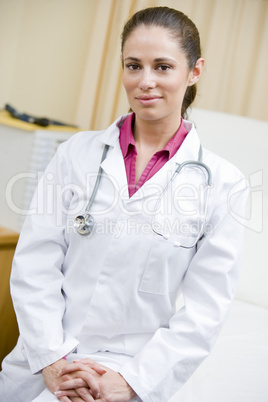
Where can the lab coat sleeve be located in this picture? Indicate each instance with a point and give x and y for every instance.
(172, 355)
(36, 277)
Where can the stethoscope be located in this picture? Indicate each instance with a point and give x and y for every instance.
(164, 234)
(84, 224)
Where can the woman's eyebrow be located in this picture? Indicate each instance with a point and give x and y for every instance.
(157, 60)
(132, 59)
(164, 59)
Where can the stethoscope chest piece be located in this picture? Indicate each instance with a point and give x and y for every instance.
(84, 224)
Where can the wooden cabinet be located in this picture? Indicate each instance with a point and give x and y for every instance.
(8, 323)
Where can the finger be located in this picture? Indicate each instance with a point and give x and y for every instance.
(92, 383)
(72, 384)
(94, 365)
(79, 366)
(86, 360)
(74, 381)
(66, 396)
(86, 381)
(85, 394)
(66, 393)
(72, 367)
(64, 399)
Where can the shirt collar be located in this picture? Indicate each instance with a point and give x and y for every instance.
(175, 142)
(126, 137)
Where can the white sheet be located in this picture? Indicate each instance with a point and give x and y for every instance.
(237, 369)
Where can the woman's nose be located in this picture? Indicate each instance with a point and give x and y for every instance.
(147, 80)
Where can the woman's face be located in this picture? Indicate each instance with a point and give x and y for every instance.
(155, 75)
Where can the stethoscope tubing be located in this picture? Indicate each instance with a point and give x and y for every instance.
(97, 183)
(199, 164)
(84, 223)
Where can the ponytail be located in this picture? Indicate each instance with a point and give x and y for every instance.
(188, 99)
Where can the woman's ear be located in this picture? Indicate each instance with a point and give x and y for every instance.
(195, 74)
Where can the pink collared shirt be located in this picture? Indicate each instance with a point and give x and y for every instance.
(128, 148)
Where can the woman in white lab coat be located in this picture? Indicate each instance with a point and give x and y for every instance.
(108, 300)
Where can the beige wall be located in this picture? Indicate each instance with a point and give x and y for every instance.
(60, 58)
(44, 45)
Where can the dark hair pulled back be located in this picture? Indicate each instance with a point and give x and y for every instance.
(181, 28)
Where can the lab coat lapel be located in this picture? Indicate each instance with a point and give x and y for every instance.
(188, 151)
(114, 165)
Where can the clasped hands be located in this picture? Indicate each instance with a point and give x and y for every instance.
(86, 380)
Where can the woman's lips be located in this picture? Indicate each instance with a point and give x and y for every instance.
(148, 99)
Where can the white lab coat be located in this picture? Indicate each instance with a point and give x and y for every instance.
(114, 292)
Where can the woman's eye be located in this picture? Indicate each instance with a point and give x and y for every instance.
(163, 67)
(133, 66)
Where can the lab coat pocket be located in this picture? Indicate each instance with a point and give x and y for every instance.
(163, 272)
